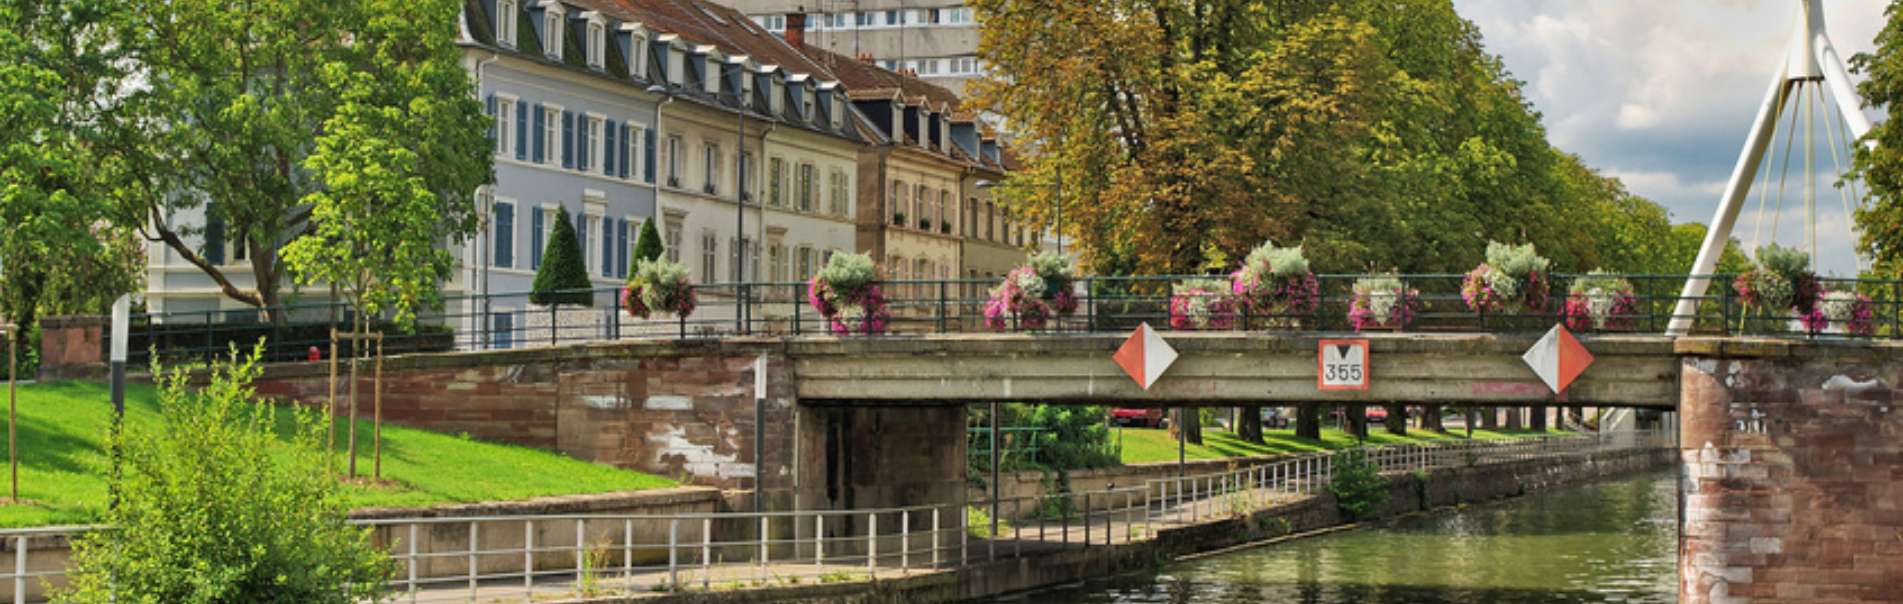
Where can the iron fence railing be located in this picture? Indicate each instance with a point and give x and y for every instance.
(1104, 305)
(534, 557)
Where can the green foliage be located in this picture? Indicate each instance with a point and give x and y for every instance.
(1054, 268)
(849, 272)
(1880, 165)
(1516, 261)
(1787, 262)
(978, 523)
(1279, 261)
(1073, 438)
(563, 278)
(200, 520)
(1359, 490)
(648, 246)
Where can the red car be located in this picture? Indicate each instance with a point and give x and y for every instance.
(1131, 416)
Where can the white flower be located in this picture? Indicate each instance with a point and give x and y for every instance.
(1381, 304)
(1599, 306)
(1031, 284)
(1838, 305)
(1506, 286)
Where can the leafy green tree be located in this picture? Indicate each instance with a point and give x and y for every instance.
(647, 245)
(1879, 163)
(214, 507)
(563, 279)
(1359, 490)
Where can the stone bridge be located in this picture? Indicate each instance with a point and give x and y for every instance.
(1791, 450)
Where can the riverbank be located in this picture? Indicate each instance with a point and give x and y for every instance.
(1408, 492)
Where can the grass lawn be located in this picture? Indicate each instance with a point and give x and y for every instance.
(64, 463)
(1148, 445)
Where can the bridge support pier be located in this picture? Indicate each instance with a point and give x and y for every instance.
(1539, 418)
(1791, 472)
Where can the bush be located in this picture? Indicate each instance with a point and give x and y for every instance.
(1359, 490)
(213, 507)
(563, 278)
(647, 245)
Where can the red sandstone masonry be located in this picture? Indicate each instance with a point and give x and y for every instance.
(1793, 469)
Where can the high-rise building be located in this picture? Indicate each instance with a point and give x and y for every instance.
(938, 39)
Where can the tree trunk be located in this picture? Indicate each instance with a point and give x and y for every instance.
(1539, 418)
(1489, 418)
(1308, 422)
(1249, 423)
(1355, 421)
(1189, 423)
(1431, 420)
(1515, 418)
(1397, 419)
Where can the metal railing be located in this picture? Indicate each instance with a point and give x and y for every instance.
(485, 558)
(1105, 305)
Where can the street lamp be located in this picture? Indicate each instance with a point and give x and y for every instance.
(1057, 204)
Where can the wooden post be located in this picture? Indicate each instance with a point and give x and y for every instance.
(10, 332)
(330, 406)
(376, 427)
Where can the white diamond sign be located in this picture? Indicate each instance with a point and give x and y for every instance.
(1145, 356)
(1558, 358)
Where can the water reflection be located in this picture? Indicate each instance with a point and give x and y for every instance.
(1606, 542)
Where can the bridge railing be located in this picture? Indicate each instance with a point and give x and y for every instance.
(1104, 305)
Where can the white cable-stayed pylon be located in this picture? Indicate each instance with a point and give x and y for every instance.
(1809, 66)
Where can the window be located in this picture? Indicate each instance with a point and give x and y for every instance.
(638, 57)
(635, 135)
(674, 161)
(806, 104)
(862, 19)
(925, 212)
(776, 181)
(214, 236)
(608, 241)
(504, 237)
(551, 132)
(673, 237)
(893, 18)
(837, 205)
(538, 234)
(597, 45)
(505, 126)
(709, 257)
(945, 211)
(710, 168)
(928, 67)
(505, 22)
(584, 225)
(893, 213)
(805, 262)
(776, 258)
(591, 145)
(935, 16)
(809, 187)
(773, 22)
(552, 25)
(746, 175)
(621, 246)
(502, 330)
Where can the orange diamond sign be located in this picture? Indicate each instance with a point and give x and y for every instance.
(1145, 356)
(1558, 358)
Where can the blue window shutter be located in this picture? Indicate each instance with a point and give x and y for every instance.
(521, 130)
(607, 247)
(535, 238)
(538, 147)
(581, 239)
(627, 140)
(621, 249)
(608, 148)
(568, 139)
(505, 235)
(492, 114)
(647, 157)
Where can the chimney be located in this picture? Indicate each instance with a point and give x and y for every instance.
(865, 57)
(796, 30)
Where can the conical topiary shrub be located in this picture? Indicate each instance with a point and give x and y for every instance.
(562, 280)
(647, 245)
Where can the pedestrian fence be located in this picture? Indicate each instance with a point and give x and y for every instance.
(526, 558)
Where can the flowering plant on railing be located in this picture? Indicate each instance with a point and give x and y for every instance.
(1202, 304)
(1033, 294)
(1782, 281)
(661, 286)
(845, 294)
(1382, 303)
(1511, 276)
(1276, 281)
(1601, 301)
(1851, 311)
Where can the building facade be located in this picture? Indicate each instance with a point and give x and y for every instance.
(938, 39)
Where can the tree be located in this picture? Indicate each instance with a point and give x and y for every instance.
(1879, 162)
(563, 279)
(647, 245)
(246, 89)
(214, 507)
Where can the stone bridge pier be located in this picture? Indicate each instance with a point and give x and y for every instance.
(1792, 472)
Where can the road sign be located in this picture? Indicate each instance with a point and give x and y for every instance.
(1342, 365)
(1145, 356)
(1558, 358)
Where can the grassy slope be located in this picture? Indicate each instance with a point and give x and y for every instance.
(1142, 445)
(63, 461)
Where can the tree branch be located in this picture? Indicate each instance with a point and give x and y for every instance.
(185, 251)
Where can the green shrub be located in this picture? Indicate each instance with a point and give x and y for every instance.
(647, 245)
(563, 278)
(214, 508)
(1358, 487)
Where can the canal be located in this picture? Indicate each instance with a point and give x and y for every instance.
(1605, 542)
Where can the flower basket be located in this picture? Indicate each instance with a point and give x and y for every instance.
(1600, 302)
(1513, 277)
(845, 294)
(1843, 312)
(1382, 303)
(1032, 295)
(1203, 305)
(1781, 284)
(659, 286)
(1275, 282)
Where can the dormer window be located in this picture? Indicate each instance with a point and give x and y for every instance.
(712, 79)
(779, 100)
(505, 22)
(638, 63)
(746, 89)
(839, 110)
(552, 22)
(597, 43)
(806, 104)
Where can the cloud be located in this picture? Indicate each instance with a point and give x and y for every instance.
(1662, 94)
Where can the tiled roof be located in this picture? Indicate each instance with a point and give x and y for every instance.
(704, 22)
(864, 80)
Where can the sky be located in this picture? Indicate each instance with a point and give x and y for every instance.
(1662, 93)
